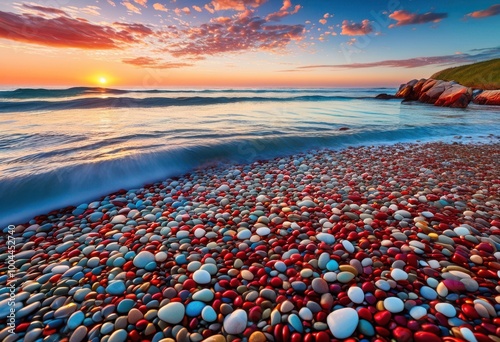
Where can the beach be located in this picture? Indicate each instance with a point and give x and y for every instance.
(369, 243)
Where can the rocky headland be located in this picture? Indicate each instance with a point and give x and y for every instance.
(443, 93)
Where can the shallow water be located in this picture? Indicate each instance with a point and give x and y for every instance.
(65, 147)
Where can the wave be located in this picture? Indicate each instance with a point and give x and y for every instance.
(33, 93)
(26, 196)
(130, 102)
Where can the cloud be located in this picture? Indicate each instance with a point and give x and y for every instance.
(406, 18)
(43, 9)
(131, 7)
(356, 29)
(237, 5)
(111, 3)
(283, 12)
(69, 32)
(197, 8)
(184, 10)
(234, 34)
(489, 12)
(209, 9)
(484, 54)
(322, 21)
(92, 10)
(159, 7)
(141, 2)
(155, 63)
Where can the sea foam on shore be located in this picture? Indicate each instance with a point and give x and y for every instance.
(389, 242)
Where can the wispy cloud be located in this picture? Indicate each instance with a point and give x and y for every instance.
(406, 18)
(131, 7)
(43, 9)
(283, 12)
(154, 63)
(489, 12)
(141, 2)
(70, 32)
(484, 54)
(356, 29)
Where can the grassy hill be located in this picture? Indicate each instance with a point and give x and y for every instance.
(482, 75)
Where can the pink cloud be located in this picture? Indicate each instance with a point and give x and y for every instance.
(406, 18)
(43, 9)
(356, 29)
(112, 3)
(241, 33)
(237, 5)
(197, 8)
(141, 2)
(131, 7)
(184, 10)
(159, 7)
(322, 21)
(489, 12)
(209, 9)
(283, 12)
(155, 63)
(69, 32)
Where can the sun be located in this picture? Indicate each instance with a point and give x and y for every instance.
(103, 80)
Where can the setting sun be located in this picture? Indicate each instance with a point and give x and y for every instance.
(103, 80)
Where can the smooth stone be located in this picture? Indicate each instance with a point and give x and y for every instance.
(356, 294)
(348, 246)
(79, 334)
(468, 335)
(295, 322)
(446, 309)
(366, 328)
(306, 314)
(461, 231)
(204, 295)
(326, 238)
(143, 258)
(75, 319)
(236, 322)
(202, 277)
(394, 304)
(418, 312)
(428, 293)
(320, 285)
(116, 287)
(172, 313)
(398, 274)
(65, 310)
(345, 277)
(125, 306)
(244, 234)
(118, 336)
(194, 308)
(263, 231)
(343, 322)
(208, 314)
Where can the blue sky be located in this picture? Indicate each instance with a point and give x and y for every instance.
(241, 42)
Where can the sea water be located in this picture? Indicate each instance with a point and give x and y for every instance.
(61, 147)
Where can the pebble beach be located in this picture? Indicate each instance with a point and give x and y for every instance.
(374, 243)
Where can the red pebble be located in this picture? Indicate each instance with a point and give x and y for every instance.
(382, 317)
(424, 336)
(322, 337)
(276, 282)
(402, 334)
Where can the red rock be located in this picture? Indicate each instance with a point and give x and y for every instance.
(322, 337)
(431, 95)
(424, 336)
(382, 317)
(457, 96)
(402, 334)
(488, 97)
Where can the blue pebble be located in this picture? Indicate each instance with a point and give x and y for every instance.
(366, 328)
(332, 265)
(295, 322)
(129, 255)
(194, 308)
(125, 305)
(184, 294)
(180, 259)
(150, 266)
(75, 319)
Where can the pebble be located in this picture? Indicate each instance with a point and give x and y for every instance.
(356, 295)
(417, 312)
(236, 322)
(398, 274)
(202, 277)
(446, 309)
(393, 304)
(343, 322)
(143, 258)
(172, 313)
(116, 288)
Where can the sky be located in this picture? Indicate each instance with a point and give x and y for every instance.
(240, 43)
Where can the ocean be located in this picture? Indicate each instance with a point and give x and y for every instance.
(62, 147)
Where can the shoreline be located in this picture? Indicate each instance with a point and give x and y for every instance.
(419, 223)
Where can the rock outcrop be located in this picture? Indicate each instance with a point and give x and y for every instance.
(443, 93)
(488, 97)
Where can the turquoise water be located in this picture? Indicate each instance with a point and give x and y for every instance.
(64, 147)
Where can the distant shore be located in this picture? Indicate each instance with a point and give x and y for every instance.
(392, 242)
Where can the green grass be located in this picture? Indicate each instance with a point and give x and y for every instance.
(482, 75)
